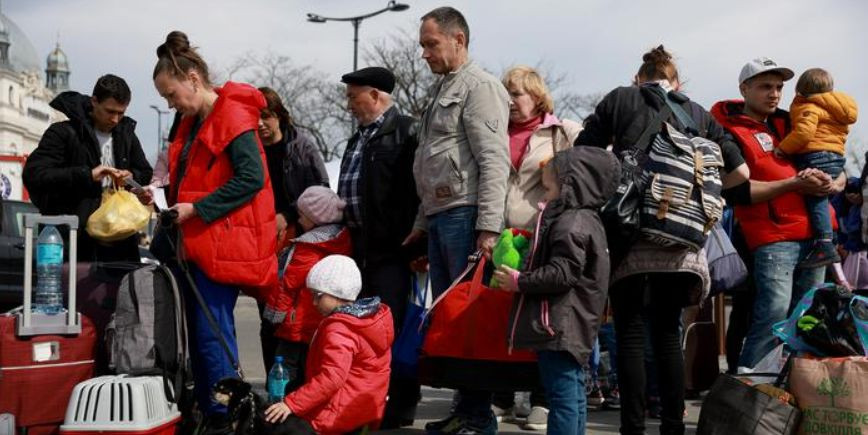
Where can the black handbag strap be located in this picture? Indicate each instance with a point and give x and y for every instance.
(209, 316)
(780, 378)
(785, 372)
(684, 119)
(688, 125)
(653, 127)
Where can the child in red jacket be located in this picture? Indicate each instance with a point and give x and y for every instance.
(290, 303)
(348, 364)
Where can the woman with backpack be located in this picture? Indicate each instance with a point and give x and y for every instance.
(222, 195)
(652, 278)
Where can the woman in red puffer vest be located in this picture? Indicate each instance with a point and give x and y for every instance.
(225, 207)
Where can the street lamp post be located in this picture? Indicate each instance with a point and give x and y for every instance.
(160, 114)
(392, 6)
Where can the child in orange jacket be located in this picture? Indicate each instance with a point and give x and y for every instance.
(821, 120)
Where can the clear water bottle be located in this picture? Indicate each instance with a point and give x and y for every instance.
(278, 377)
(48, 297)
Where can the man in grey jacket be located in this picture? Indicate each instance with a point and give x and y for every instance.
(461, 168)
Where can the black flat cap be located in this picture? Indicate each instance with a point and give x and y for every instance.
(373, 76)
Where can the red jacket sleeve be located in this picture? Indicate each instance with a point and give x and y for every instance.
(338, 346)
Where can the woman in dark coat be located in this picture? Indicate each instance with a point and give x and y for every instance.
(649, 278)
(294, 163)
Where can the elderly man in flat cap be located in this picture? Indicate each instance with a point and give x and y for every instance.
(377, 183)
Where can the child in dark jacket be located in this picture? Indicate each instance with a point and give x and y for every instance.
(564, 287)
(348, 364)
(290, 304)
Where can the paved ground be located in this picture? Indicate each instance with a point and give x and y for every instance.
(435, 403)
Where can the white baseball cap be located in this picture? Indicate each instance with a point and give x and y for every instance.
(762, 65)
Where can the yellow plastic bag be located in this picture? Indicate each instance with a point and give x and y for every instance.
(120, 215)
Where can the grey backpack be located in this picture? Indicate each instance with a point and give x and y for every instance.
(148, 331)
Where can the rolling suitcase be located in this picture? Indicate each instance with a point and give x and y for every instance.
(96, 290)
(43, 357)
(701, 350)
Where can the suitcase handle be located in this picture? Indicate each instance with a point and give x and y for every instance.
(30, 323)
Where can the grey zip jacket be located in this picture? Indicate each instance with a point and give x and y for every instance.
(463, 153)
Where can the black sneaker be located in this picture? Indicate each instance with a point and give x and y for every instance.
(654, 408)
(612, 399)
(438, 425)
(460, 425)
(595, 397)
(823, 253)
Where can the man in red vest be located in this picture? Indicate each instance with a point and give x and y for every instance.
(770, 207)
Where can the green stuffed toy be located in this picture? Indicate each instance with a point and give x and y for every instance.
(511, 250)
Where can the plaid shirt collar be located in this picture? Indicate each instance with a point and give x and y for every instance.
(366, 131)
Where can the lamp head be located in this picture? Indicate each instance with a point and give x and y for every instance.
(314, 18)
(397, 7)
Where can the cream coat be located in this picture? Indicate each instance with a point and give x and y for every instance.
(524, 188)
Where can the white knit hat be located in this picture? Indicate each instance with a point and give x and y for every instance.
(336, 275)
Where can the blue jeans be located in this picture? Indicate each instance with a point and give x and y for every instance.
(779, 285)
(209, 360)
(564, 382)
(606, 337)
(818, 206)
(451, 239)
(594, 361)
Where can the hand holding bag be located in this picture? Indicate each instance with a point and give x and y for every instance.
(119, 216)
(466, 345)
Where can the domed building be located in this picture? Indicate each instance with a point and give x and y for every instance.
(24, 97)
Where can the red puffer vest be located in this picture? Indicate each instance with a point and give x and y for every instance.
(783, 218)
(347, 373)
(239, 247)
(290, 302)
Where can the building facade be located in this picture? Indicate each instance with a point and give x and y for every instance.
(24, 98)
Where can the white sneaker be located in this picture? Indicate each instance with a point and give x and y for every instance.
(537, 419)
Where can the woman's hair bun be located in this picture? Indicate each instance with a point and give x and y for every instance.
(176, 43)
(657, 55)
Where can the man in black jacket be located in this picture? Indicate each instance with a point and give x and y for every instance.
(376, 181)
(79, 157)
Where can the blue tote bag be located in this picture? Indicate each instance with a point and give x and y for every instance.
(408, 343)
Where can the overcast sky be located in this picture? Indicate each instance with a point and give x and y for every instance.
(598, 43)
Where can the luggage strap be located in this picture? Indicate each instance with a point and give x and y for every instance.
(201, 301)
